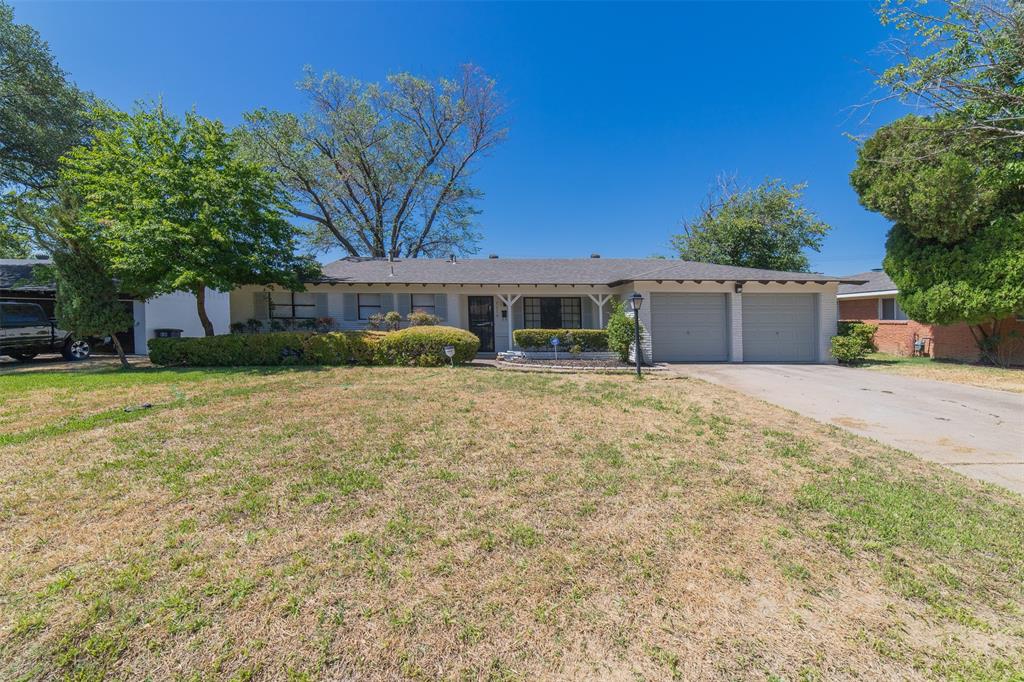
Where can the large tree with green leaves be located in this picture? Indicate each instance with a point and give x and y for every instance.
(952, 181)
(760, 227)
(180, 210)
(87, 296)
(383, 169)
(956, 198)
(42, 115)
(962, 57)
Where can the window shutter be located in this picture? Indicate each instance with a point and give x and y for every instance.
(404, 306)
(441, 306)
(387, 302)
(349, 307)
(261, 305)
(321, 304)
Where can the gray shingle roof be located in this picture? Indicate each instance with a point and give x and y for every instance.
(16, 274)
(511, 271)
(873, 281)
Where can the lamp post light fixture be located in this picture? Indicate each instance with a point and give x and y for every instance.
(635, 301)
(450, 352)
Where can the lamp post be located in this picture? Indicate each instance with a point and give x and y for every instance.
(635, 301)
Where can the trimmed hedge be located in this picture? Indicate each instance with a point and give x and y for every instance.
(275, 348)
(854, 341)
(860, 330)
(423, 346)
(540, 339)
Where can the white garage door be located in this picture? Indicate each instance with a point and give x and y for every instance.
(780, 328)
(689, 327)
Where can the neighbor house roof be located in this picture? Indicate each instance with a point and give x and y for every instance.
(582, 271)
(16, 274)
(874, 281)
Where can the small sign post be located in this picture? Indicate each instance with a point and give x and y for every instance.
(450, 352)
(554, 342)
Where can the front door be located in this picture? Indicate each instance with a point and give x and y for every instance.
(481, 321)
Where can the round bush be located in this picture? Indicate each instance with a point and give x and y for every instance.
(849, 350)
(423, 346)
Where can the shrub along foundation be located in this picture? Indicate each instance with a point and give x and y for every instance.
(415, 346)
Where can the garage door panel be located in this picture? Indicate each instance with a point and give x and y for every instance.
(780, 328)
(689, 327)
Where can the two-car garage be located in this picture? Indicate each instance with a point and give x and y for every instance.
(697, 327)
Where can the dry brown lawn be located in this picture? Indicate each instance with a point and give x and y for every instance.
(392, 523)
(1003, 379)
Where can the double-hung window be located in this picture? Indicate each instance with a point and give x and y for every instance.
(552, 313)
(890, 310)
(290, 305)
(368, 305)
(424, 303)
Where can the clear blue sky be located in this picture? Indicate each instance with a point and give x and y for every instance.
(621, 115)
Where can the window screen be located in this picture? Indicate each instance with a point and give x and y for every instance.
(531, 313)
(891, 310)
(291, 305)
(552, 313)
(423, 303)
(368, 305)
(572, 316)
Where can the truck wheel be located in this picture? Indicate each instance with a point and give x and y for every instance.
(23, 357)
(76, 349)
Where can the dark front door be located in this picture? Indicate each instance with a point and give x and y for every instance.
(481, 321)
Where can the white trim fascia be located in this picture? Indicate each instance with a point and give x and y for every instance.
(870, 294)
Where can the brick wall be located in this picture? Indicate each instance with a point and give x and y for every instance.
(947, 342)
(955, 342)
(893, 336)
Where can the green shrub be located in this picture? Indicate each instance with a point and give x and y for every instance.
(621, 331)
(854, 341)
(279, 348)
(865, 332)
(419, 318)
(849, 350)
(424, 346)
(389, 321)
(540, 339)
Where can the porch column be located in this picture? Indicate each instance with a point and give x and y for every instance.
(508, 300)
(735, 327)
(599, 300)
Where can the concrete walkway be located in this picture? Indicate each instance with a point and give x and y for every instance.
(976, 431)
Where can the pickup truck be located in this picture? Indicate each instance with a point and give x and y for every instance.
(26, 331)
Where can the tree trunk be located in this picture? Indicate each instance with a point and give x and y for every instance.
(988, 341)
(201, 307)
(120, 351)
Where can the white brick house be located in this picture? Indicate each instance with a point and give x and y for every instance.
(695, 312)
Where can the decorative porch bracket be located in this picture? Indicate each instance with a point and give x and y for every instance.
(600, 300)
(508, 300)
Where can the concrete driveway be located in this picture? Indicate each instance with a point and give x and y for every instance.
(976, 431)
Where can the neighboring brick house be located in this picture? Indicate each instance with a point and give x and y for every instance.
(875, 302)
